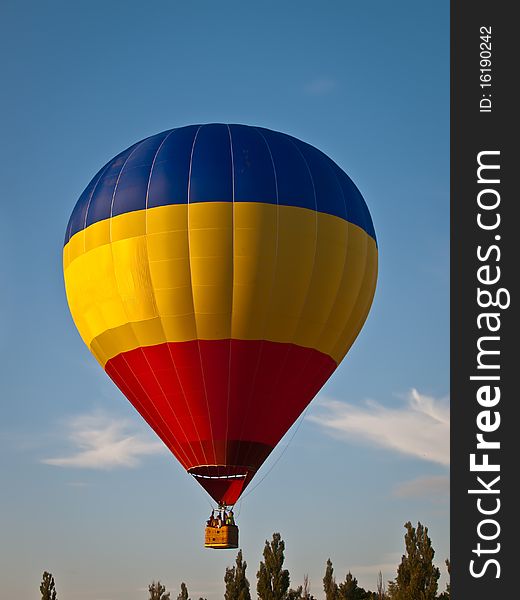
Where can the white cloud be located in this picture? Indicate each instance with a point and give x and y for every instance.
(436, 487)
(419, 428)
(104, 442)
(320, 87)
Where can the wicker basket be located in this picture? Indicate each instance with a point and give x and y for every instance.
(221, 537)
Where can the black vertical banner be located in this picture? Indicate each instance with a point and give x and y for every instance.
(485, 268)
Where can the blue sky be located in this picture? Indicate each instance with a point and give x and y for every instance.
(87, 492)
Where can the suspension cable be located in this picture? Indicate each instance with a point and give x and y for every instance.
(300, 421)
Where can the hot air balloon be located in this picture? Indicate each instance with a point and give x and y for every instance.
(219, 274)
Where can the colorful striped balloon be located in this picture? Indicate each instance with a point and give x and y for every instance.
(219, 274)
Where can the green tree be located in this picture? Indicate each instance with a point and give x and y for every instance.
(183, 594)
(47, 587)
(349, 589)
(158, 591)
(296, 594)
(329, 582)
(417, 576)
(237, 585)
(272, 579)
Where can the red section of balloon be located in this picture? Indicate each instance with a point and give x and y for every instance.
(221, 406)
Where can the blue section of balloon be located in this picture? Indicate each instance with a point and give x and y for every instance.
(219, 163)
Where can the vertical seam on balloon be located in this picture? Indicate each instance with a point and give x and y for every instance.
(351, 339)
(129, 321)
(173, 361)
(110, 233)
(232, 287)
(88, 205)
(153, 406)
(151, 171)
(335, 170)
(340, 285)
(290, 347)
(344, 267)
(368, 306)
(355, 304)
(315, 229)
(158, 315)
(193, 301)
(99, 175)
(333, 349)
(137, 146)
(167, 401)
(129, 393)
(262, 341)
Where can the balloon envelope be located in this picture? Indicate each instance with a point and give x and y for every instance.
(219, 274)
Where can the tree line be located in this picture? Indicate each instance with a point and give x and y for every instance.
(417, 577)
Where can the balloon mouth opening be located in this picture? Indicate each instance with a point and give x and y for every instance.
(240, 476)
(219, 472)
(224, 483)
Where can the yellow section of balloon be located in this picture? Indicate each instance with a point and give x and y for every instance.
(219, 270)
